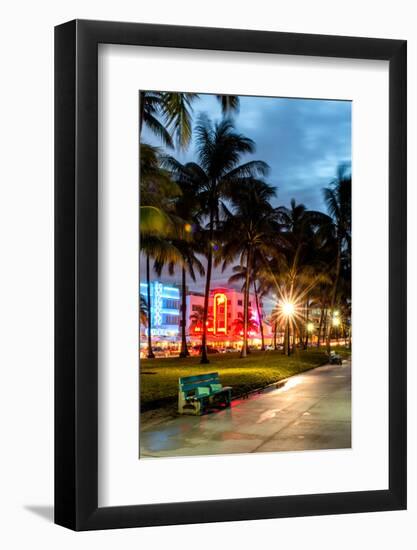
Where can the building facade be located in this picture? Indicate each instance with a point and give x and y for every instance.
(225, 316)
(165, 310)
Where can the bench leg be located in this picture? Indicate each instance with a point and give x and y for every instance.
(189, 407)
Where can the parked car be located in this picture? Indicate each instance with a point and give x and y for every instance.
(210, 349)
(160, 352)
(335, 358)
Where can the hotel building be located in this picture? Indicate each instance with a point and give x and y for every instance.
(225, 316)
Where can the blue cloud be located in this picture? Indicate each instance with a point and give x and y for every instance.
(303, 141)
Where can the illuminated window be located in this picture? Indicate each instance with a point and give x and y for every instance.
(170, 320)
(171, 304)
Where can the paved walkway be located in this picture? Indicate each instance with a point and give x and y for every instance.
(311, 411)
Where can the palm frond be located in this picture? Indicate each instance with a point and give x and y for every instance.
(158, 129)
(229, 103)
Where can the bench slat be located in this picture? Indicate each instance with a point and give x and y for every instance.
(198, 378)
(191, 387)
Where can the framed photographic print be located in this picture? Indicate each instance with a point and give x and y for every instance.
(230, 275)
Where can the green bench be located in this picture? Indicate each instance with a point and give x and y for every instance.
(196, 394)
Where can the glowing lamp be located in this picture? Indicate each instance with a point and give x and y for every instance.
(288, 309)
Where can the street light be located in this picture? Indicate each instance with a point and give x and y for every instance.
(310, 327)
(288, 309)
(336, 323)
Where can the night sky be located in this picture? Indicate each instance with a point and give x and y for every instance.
(302, 140)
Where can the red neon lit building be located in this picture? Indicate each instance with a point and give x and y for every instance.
(225, 322)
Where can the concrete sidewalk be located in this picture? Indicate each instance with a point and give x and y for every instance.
(311, 411)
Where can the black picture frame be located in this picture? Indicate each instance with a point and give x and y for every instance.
(76, 272)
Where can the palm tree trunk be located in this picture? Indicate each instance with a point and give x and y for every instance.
(325, 323)
(320, 326)
(261, 326)
(148, 281)
(333, 295)
(141, 110)
(244, 351)
(296, 328)
(204, 359)
(184, 350)
(275, 335)
(306, 328)
(287, 345)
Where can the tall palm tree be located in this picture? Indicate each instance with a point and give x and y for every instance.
(190, 264)
(239, 275)
(250, 228)
(186, 210)
(219, 151)
(156, 223)
(338, 197)
(162, 252)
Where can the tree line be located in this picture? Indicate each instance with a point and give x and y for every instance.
(218, 211)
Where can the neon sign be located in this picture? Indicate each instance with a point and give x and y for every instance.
(157, 304)
(220, 313)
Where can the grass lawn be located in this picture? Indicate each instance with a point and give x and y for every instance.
(159, 377)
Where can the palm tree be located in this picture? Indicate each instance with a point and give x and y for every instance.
(168, 114)
(250, 229)
(151, 107)
(197, 317)
(240, 275)
(186, 213)
(187, 208)
(338, 201)
(238, 324)
(219, 150)
(157, 193)
(157, 222)
(162, 252)
(190, 263)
